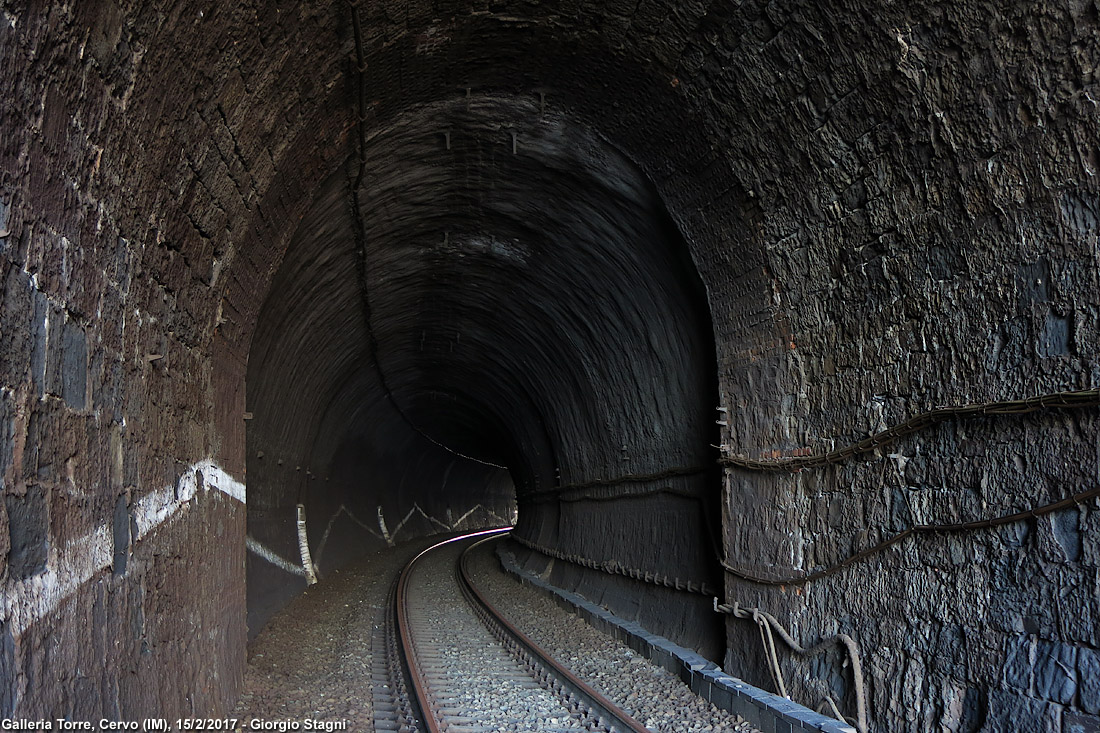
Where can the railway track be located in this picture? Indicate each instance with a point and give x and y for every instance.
(464, 668)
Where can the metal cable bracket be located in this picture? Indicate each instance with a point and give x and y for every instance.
(613, 567)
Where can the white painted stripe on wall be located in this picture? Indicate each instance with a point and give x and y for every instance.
(68, 567)
(268, 554)
(328, 529)
(222, 481)
(30, 599)
(154, 508)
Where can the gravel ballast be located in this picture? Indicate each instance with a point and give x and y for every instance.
(313, 660)
(648, 692)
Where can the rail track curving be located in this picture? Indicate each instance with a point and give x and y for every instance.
(455, 664)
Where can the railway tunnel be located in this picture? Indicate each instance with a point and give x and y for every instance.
(638, 277)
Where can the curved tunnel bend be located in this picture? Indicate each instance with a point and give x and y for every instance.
(508, 298)
(471, 260)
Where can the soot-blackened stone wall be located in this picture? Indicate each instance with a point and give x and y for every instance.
(937, 246)
(324, 431)
(582, 226)
(143, 195)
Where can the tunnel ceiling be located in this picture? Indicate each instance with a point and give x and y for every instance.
(488, 278)
(513, 288)
(531, 301)
(487, 274)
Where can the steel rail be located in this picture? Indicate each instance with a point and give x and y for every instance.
(604, 710)
(404, 629)
(575, 693)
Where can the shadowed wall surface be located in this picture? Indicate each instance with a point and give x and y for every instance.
(523, 247)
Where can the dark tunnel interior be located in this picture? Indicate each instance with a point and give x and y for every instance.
(784, 306)
(508, 309)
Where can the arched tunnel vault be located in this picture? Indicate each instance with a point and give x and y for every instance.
(889, 210)
(324, 434)
(515, 293)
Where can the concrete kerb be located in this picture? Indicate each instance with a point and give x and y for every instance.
(768, 712)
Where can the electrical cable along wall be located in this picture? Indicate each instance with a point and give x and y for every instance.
(806, 461)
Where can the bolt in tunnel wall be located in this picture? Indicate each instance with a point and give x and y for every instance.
(890, 210)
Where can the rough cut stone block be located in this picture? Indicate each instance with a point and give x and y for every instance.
(1018, 664)
(1078, 723)
(1055, 666)
(28, 530)
(74, 365)
(1088, 671)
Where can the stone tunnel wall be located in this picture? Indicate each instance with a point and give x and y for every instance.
(324, 432)
(937, 247)
(889, 212)
(530, 294)
(143, 201)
